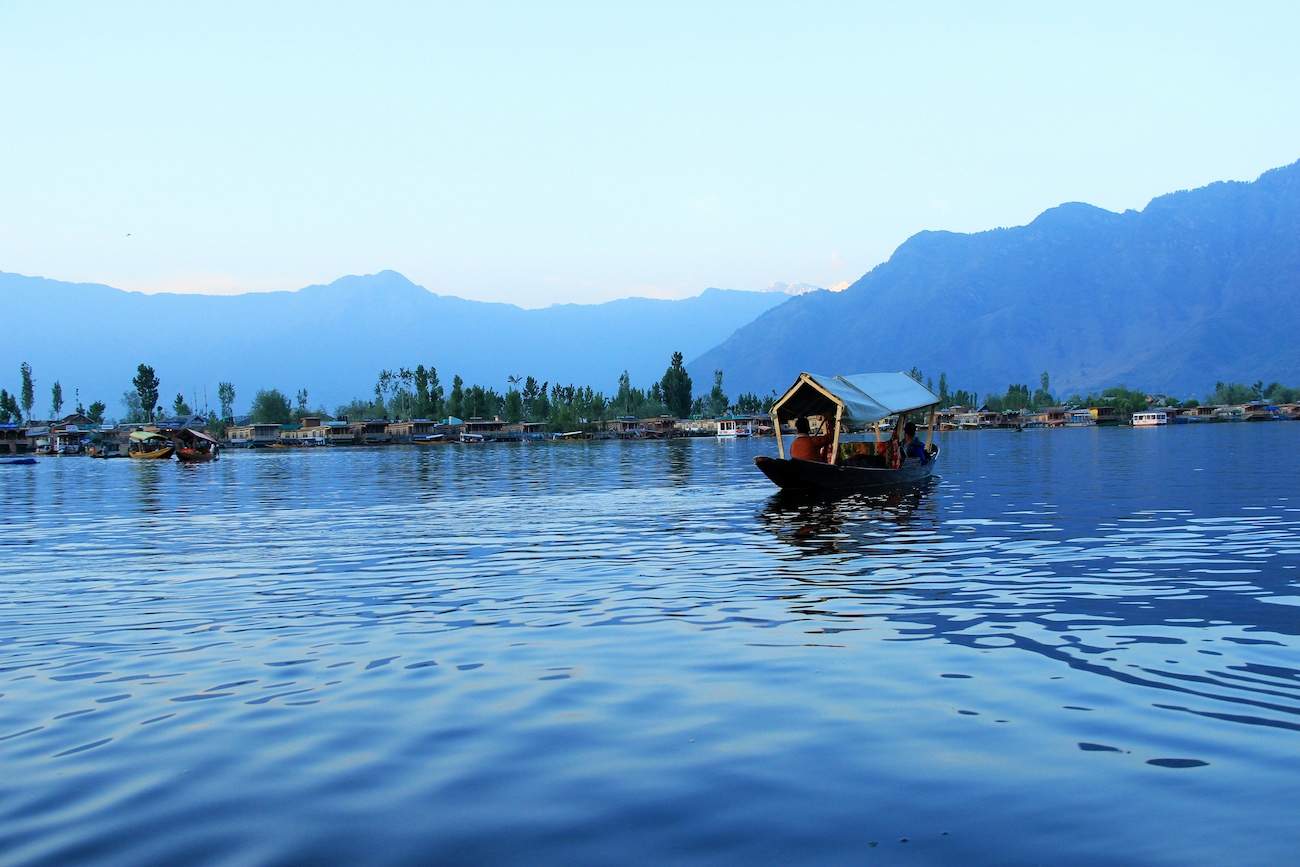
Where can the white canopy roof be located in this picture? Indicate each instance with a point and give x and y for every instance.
(866, 398)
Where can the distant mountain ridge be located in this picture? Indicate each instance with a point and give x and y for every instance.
(1199, 286)
(334, 339)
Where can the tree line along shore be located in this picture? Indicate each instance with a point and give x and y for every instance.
(412, 405)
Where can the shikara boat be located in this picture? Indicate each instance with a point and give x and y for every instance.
(853, 410)
(149, 445)
(194, 446)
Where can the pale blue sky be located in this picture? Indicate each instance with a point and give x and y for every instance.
(539, 153)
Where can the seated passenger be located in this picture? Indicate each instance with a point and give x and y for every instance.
(807, 447)
(913, 447)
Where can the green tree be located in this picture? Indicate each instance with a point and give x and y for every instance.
(1278, 393)
(96, 412)
(56, 399)
(131, 403)
(146, 386)
(962, 397)
(29, 389)
(675, 388)
(9, 409)
(1231, 392)
(270, 406)
(421, 392)
(1043, 395)
(514, 406)
(749, 404)
(357, 409)
(717, 397)
(179, 406)
(456, 405)
(226, 395)
(436, 403)
(943, 391)
(623, 400)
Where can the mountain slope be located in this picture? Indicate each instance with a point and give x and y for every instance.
(334, 339)
(1199, 286)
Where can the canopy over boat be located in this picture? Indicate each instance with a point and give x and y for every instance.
(860, 399)
(141, 436)
(197, 435)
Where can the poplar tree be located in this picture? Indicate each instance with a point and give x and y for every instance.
(29, 389)
(226, 395)
(146, 386)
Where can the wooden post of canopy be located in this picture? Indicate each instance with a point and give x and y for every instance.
(776, 423)
(876, 428)
(930, 430)
(835, 441)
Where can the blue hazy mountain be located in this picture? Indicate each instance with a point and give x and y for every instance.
(1200, 286)
(334, 339)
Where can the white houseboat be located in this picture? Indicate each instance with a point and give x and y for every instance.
(1150, 419)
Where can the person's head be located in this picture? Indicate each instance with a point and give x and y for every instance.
(910, 428)
(801, 425)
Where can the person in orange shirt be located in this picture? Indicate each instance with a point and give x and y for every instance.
(807, 447)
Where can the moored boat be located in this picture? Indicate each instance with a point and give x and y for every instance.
(1150, 419)
(852, 409)
(194, 446)
(149, 445)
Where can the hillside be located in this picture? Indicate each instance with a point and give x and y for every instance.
(1199, 286)
(334, 339)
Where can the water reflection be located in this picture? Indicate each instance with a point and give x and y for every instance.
(861, 522)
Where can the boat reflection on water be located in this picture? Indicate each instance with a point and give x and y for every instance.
(860, 522)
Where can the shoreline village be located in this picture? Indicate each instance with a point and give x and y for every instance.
(411, 407)
(77, 434)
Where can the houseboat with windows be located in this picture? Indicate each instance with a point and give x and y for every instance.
(1151, 418)
(853, 410)
(1258, 411)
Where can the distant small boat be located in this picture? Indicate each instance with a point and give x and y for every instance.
(471, 438)
(428, 439)
(149, 445)
(16, 462)
(194, 446)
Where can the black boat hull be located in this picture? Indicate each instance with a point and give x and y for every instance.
(797, 475)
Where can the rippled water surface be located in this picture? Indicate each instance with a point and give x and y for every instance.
(1074, 647)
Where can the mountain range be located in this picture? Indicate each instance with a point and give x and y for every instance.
(1200, 286)
(333, 340)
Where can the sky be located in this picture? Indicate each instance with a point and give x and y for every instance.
(571, 152)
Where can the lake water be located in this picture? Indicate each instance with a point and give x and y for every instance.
(1073, 647)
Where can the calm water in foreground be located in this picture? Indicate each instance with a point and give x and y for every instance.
(1075, 647)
